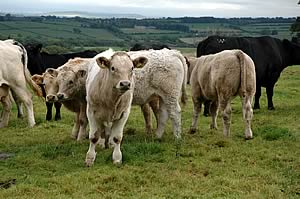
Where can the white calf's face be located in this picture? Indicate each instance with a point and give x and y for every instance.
(51, 87)
(69, 84)
(120, 68)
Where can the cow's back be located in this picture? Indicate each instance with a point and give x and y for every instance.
(12, 68)
(217, 73)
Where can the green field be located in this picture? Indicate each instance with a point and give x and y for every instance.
(47, 163)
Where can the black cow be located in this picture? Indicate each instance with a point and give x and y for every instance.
(137, 47)
(39, 61)
(270, 56)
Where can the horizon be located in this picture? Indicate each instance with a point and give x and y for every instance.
(159, 9)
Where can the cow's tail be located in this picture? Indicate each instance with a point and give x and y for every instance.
(243, 65)
(36, 88)
(184, 96)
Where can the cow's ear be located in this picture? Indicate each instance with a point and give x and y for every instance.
(103, 62)
(81, 73)
(38, 79)
(140, 62)
(53, 72)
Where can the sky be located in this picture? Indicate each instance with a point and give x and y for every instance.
(161, 8)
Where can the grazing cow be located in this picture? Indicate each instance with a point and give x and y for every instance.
(270, 55)
(67, 85)
(164, 76)
(39, 61)
(13, 77)
(109, 87)
(219, 78)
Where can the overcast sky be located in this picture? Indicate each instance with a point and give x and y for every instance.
(162, 8)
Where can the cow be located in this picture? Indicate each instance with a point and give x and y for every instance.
(270, 55)
(39, 61)
(164, 77)
(109, 86)
(13, 77)
(220, 77)
(66, 85)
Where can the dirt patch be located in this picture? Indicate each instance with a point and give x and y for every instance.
(4, 156)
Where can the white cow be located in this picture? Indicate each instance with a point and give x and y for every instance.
(219, 78)
(109, 88)
(164, 76)
(13, 77)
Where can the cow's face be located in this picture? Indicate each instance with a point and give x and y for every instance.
(120, 68)
(70, 83)
(50, 84)
(292, 49)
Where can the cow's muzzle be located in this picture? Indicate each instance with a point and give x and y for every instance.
(51, 98)
(124, 85)
(61, 96)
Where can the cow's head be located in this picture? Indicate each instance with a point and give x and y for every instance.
(35, 62)
(49, 83)
(293, 50)
(120, 67)
(71, 84)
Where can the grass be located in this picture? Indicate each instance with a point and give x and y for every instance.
(47, 163)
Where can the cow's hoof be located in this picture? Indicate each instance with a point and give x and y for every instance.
(256, 107)
(57, 118)
(213, 127)
(271, 108)
(248, 138)
(89, 160)
(192, 130)
(117, 162)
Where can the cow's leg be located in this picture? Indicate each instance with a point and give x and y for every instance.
(163, 117)
(174, 112)
(225, 108)
(49, 110)
(197, 109)
(19, 105)
(214, 114)
(116, 137)
(82, 122)
(76, 126)
(155, 108)
(147, 116)
(270, 90)
(25, 96)
(206, 111)
(257, 96)
(94, 137)
(57, 106)
(247, 115)
(7, 105)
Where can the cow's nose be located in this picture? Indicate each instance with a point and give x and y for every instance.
(50, 97)
(125, 85)
(60, 96)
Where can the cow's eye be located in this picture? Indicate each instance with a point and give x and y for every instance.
(71, 82)
(112, 68)
(132, 69)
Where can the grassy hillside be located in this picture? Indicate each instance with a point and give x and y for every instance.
(175, 32)
(47, 163)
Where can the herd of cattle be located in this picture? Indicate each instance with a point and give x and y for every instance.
(100, 88)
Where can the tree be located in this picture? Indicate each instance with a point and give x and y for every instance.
(295, 27)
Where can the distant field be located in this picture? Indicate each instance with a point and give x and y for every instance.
(53, 30)
(47, 163)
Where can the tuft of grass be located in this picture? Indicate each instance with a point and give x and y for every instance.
(271, 133)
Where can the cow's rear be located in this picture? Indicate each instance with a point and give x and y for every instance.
(220, 78)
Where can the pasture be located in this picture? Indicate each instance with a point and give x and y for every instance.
(46, 163)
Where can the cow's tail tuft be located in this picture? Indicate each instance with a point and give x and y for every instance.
(36, 88)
